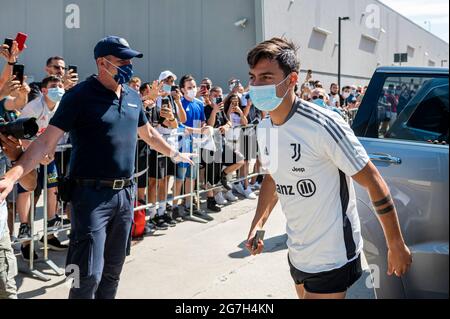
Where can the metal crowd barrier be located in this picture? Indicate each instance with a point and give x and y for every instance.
(35, 236)
(192, 196)
(201, 188)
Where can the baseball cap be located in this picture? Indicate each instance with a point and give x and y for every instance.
(164, 75)
(117, 47)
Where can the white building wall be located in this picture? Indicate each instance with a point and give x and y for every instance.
(371, 37)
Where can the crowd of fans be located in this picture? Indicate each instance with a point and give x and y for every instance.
(346, 101)
(182, 110)
(181, 113)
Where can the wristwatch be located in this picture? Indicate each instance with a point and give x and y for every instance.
(177, 153)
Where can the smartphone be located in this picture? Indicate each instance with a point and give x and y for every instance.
(219, 100)
(74, 68)
(259, 236)
(164, 105)
(18, 71)
(21, 38)
(9, 43)
(175, 88)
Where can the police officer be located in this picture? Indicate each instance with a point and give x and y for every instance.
(104, 117)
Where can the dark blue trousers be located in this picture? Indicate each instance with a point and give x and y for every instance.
(101, 226)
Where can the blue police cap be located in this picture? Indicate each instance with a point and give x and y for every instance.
(117, 47)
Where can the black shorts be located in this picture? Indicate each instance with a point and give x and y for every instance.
(157, 165)
(328, 282)
(215, 161)
(248, 144)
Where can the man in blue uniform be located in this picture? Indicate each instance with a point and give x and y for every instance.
(104, 117)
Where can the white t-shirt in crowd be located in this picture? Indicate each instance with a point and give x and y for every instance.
(39, 109)
(311, 159)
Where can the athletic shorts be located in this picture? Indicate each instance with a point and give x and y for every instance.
(52, 179)
(157, 165)
(219, 159)
(328, 282)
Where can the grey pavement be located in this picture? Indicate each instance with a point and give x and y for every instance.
(197, 260)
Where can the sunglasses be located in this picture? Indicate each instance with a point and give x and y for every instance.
(321, 97)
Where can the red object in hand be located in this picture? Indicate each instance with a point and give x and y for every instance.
(21, 38)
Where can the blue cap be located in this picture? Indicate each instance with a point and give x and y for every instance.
(117, 47)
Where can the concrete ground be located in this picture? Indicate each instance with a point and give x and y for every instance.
(197, 260)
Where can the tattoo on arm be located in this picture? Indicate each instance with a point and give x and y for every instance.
(384, 201)
(386, 210)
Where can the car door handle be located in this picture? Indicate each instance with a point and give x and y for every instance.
(385, 158)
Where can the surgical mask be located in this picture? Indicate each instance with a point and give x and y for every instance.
(167, 88)
(191, 94)
(346, 95)
(55, 94)
(265, 97)
(320, 102)
(354, 92)
(124, 73)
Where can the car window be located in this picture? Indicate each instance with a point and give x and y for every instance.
(425, 117)
(395, 96)
(432, 113)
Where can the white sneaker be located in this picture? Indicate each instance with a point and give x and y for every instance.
(229, 196)
(220, 200)
(239, 188)
(248, 193)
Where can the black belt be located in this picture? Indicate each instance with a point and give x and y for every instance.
(117, 184)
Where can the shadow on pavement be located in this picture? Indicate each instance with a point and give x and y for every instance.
(271, 245)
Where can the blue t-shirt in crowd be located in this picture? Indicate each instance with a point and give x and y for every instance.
(103, 129)
(195, 112)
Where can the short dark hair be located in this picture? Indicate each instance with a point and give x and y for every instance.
(53, 58)
(144, 87)
(346, 88)
(283, 51)
(216, 89)
(184, 79)
(208, 80)
(50, 79)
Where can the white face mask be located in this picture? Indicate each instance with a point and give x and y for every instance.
(191, 94)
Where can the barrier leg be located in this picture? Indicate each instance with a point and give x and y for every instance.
(31, 271)
(191, 216)
(47, 260)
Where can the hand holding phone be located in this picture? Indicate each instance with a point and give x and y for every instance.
(18, 72)
(74, 69)
(9, 43)
(259, 236)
